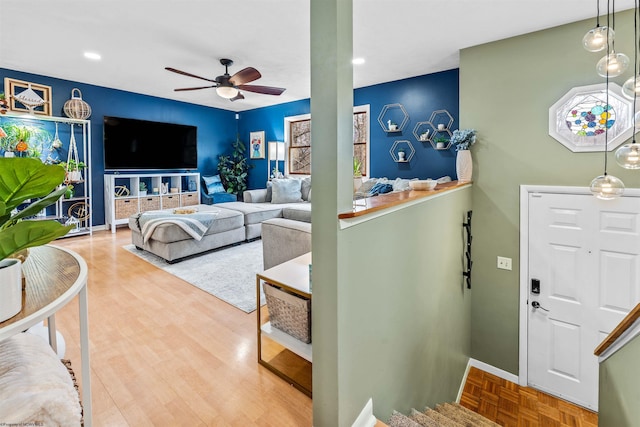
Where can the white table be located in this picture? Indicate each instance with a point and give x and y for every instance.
(292, 276)
(54, 276)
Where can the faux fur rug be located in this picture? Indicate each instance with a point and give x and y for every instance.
(228, 274)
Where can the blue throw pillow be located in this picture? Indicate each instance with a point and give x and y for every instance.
(213, 184)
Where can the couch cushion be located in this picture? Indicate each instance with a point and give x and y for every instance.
(213, 184)
(226, 220)
(305, 188)
(299, 212)
(255, 213)
(288, 190)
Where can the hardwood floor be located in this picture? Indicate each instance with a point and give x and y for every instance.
(508, 404)
(164, 353)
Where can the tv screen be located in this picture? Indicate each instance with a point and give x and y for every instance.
(131, 144)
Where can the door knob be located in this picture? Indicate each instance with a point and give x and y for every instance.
(536, 304)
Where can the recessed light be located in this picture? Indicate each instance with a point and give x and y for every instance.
(92, 55)
(357, 61)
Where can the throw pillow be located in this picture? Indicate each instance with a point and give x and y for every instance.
(380, 188)
(306, 188)
(286, 191)
(213, 184)
(267, 198)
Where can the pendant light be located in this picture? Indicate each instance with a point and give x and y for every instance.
(612, 64)
(597, 38)
(628, 156)
(606, 187)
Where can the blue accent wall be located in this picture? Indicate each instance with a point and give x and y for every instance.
(216, 128)
(420, 96)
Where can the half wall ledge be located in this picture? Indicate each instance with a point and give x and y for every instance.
(373, 207)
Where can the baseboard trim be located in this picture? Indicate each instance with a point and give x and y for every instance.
(464, 381)
(366, 418)
(493, 370)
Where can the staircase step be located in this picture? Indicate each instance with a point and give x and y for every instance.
(445, 415)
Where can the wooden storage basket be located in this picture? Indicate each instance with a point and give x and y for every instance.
(288, 312)
(150, 203)
(189, 199)
(126, 207)
(170, 201)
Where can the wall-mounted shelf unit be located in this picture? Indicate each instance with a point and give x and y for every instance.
(77, 209)
(393, 113)
(438, 125)
(397, 146)
(123, 198)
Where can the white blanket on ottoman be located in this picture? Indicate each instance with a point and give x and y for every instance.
(35, 387)
(195, 224)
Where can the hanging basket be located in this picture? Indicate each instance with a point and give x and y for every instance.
(76, 108)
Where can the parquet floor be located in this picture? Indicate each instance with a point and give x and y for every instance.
(509, 404)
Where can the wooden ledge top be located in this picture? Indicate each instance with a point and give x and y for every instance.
(383, 201)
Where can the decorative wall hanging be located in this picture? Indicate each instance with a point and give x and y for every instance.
(393, 118)
(580, 118)
(76, 108)
(256, 145)
(28, 97)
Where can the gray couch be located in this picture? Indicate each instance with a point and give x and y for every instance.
(288, 229)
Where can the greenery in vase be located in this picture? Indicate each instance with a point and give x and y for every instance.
(143, 186)
(463, 139)
(23, 179)
(234, 168)
(357, 167)
(72, 165)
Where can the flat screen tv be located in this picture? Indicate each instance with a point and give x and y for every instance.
(131, 144)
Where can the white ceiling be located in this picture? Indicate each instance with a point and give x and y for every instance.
(138, 38)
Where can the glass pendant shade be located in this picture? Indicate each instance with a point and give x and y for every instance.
(613, 64)
(596, 38)
(631, 88)
(227, 91)
(628, 156)
(607, 187)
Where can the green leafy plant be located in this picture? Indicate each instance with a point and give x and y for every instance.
(21, 180)
(143, 186)
(234, 168)
(357, 167)
(26, 139)
(440, 139)
(72, 165)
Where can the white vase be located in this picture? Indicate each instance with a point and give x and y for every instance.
(464, 166)
(10, 288)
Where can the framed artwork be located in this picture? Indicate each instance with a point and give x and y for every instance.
(13, 88)
(256, 145)
(580, 118)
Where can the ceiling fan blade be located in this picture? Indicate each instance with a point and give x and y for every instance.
(246, 75)
(184, 73)
(194, 88)
(238, 96)
(267, 90)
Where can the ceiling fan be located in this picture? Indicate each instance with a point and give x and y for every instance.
(229, 86)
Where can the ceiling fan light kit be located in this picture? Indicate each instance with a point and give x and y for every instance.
(228, 86)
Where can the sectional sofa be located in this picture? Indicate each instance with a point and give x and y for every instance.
(280, 214)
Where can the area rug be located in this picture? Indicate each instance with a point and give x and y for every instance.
(228, 274)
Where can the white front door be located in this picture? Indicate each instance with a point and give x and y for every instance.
(584, 254)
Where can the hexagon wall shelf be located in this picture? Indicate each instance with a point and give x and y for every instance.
(393, 112)
(396, 146)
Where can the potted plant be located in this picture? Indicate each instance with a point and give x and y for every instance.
(73, 169)
(4, 104)
(21, 180)
(357, 173)
(463, 140)
(143, 189)
(441, 142)
(234, 169)
(401, 154)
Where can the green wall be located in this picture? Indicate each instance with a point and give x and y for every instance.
(403, 310)
(506, 89)
(619, 400)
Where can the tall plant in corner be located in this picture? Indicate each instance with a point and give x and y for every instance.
(21, 180)
(234, 169)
